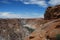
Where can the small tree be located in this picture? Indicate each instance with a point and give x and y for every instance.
(58, 37)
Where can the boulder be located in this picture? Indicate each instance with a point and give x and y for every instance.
(52, 13)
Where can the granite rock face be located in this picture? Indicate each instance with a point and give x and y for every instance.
(52, 12)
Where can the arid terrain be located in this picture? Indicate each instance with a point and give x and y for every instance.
(32, 29)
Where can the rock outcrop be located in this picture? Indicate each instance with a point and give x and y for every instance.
(52, 13)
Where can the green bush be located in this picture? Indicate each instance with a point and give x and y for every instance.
(58, 37)
(30, 29)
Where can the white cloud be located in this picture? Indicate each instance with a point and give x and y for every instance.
(8, 15)
(39, 15)
(37, 2)
(42, 3)
(54, 2)
(14, 15)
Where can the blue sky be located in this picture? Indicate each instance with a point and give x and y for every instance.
(25, 8)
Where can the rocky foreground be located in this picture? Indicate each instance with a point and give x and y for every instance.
(18, 29)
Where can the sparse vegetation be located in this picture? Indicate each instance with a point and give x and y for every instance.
(58, 37)
(30, 29)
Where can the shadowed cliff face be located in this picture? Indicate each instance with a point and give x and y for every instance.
(52, 13)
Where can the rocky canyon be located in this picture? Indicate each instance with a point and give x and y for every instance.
(32, 29)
